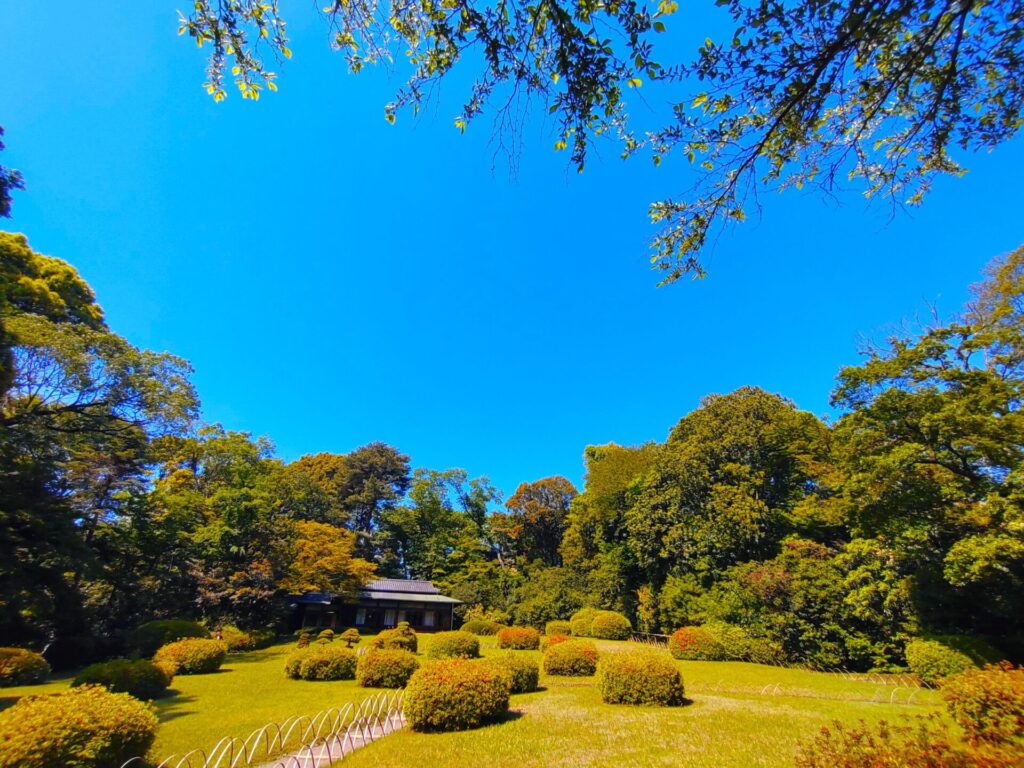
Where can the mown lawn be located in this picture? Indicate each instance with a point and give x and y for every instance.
(740, 715)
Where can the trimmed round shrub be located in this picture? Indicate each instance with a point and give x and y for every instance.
(19, 666)
(932, 660)
(453, 645)
(640, 677)
(329, 662)
(714, 641)
(193, 656)
(140, 678)
(519, 638)
(609, 625)
(456, 694)
(575, 658)
(86, 727)
(548, 640)
(325, 636)
(401, 637)
(988, 703)
(385, 668)
(481, 627)
(523, 671)
(580, 622)
(558, 627)
(151, 636)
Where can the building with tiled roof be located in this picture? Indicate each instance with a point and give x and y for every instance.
(381, 604)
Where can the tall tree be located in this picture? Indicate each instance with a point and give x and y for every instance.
(538, 513)
(10, 180)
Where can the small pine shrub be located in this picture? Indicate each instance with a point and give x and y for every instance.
(453, 645)
(22, 667)
(456, 694)
(194, 656)
(481, 627)
(328, 662)
(523, 672)
(548, 640)
(581, 621)
(558, 627)
(385, 668)
(140, 678)
(401, 637)
(325, 636)
(609, 625)
(86, 727)
(519, 638)
(932, 660)
(575, 658)
(147, 638)
(350, 637)
(304, 639)
(988, 703)
(640, 677)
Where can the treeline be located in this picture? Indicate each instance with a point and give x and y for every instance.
(832, 543)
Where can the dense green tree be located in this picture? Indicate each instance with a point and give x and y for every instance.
(10, 180)
(537, 518)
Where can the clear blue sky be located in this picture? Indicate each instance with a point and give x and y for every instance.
(336, 280)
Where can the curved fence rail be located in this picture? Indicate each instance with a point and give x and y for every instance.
(299, 742)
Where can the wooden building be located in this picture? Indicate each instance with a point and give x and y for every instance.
(381, 604)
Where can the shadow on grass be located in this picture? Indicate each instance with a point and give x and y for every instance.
(171, 707)
(8, 701)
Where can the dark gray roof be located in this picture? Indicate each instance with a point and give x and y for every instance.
(408, 597)
(403, 585)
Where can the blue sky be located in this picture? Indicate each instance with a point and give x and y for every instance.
(336, 280)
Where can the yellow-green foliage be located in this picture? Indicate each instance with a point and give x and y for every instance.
(456, 694)
(453, 645)
(350, 637)
(609, 625)
(574, 658)
(140, 678)
(481, 627)
(21, 667)
(714, 641)
(238, 640)
(385, 668)
(86, 727)
(558, 627)
(519, 638)
(580, 621)
(522, 670)
(988, 704)
(402, 637)
(149, 637)
(193, 656)
(640, 677)
(328, 662)
(932, 660)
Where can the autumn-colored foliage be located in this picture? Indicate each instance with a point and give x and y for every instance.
(519, 638)
(988, 703)
(548, 640)
(22, 667)
(456, 694)
(325, 560)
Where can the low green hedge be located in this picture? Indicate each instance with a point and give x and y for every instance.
(519, 638)
(86, 727)
(574, 658)
(322, 662)
(455, 694)
(522, 670)
(140, 678)
(609, 625)
(453, 645)
(147, 638)
(558, 627)
(194, 656)
(19, 666)
(640, 677)
(385, 668)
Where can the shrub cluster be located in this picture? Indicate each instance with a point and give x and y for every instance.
(481, 627)
(579, 622)
(558, 627)
(22, 667)
(193, 656)
(238, 640)
(523, 671)
(609, 625)
(322, 662)
(932, 660)
(401, 637)
(519, 638)
(140, 678)
(453, 645)
(147, 638)
(640, 677)
(714, 641)
(86, 727)
(456, 694)
(548, 640)
(575, 658)
(385, 668)
(988, 703)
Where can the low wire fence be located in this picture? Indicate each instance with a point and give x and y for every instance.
(299, 742)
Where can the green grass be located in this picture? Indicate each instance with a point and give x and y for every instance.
(740, 715)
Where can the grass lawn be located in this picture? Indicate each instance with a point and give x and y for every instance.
(740, 715)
